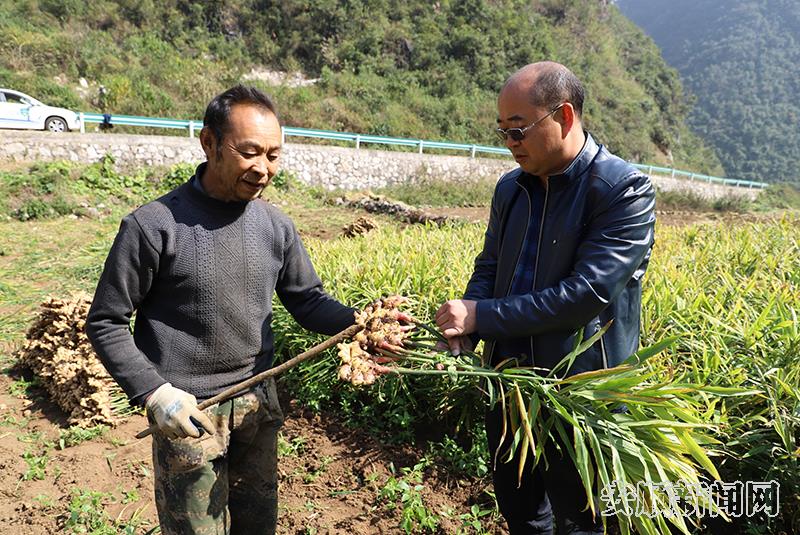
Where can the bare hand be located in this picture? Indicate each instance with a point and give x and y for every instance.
(457, 318)
(456, 345)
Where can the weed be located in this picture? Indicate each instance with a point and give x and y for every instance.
(472, 462)
(22, 387)
(116, 441)
(177, 175)
(41, 209)
(781, 196)
(37, 466)
(32, 437)
(312, 475)
(130, 496)
(141, 467)
(87, 513)
(732, 203)
(76, 435)
(44, 500)
(12, 421)
(405, 492)
(291, 448)
(284, 180)
(471, 521)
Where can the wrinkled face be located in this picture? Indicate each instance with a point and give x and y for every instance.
(540, 153)
(246, 159)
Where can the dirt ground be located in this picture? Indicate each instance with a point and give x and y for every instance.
(330, 476)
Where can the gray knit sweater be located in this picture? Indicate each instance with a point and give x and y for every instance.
(200, 274)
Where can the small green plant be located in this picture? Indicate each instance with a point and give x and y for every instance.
(32, 437)
(11, 421)
(130, 496)
(41, 209)
(39, 193)
(472, 462)
(76, 435)
(37, 466)
(21, 387)
(312, 475)
(404, 492)
(290, 448)
(177, 175)
(116, 441)
(471, 523)
(44, 500)
(284, 180)
(87, 513)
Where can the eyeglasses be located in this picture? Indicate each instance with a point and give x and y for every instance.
(518, 134)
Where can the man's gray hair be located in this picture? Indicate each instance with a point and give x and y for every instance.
(556, 85)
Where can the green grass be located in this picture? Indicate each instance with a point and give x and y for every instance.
(436, 193)
(776, 197)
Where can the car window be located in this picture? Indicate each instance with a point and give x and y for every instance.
(16, 99)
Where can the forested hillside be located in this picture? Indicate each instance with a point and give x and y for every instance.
(414, 68)
(740, 58)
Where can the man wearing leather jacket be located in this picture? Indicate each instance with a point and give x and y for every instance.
(569, 238)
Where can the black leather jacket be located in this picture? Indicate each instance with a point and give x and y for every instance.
(595, 241)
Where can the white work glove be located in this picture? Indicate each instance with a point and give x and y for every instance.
(176, 414)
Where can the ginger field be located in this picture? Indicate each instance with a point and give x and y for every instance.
(392, 458)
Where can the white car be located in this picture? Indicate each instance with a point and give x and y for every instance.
(18, 110)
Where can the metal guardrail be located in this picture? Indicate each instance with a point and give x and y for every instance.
(421, 144)
(651, 169)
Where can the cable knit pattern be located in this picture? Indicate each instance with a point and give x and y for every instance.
(200, 274)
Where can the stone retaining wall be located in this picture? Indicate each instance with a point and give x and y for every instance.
(329, 167)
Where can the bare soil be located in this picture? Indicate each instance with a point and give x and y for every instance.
(329, 485)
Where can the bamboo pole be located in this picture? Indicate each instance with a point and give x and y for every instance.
(291, 363)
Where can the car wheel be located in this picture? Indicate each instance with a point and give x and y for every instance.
(55, 124)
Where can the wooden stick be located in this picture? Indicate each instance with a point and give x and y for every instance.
(291, 363)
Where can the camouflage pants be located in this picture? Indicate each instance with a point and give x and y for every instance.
(226, 483)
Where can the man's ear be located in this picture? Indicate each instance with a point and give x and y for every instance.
(568, 117)
(208, 141)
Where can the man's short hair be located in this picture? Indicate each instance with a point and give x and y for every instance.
(554, 86)
(219, 109)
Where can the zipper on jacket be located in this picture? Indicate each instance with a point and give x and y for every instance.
(519, 253)
(538, 243)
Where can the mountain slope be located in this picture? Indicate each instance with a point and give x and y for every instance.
(740, 60)
(411, 68)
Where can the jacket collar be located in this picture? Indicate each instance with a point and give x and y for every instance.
(576, 168)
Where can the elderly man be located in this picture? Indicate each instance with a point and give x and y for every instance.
(569, 238)
(199, 266)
